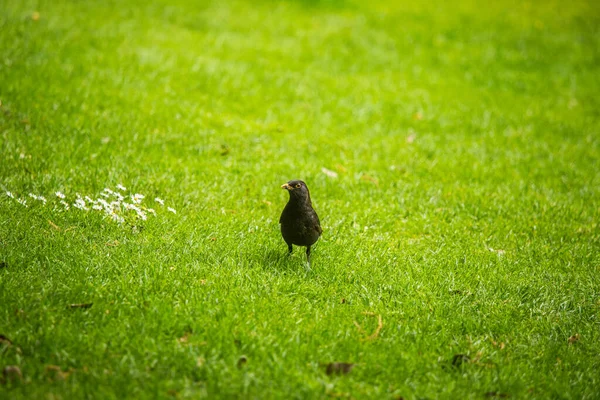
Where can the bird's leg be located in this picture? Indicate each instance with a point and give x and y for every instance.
(307, 258)
(290, 248)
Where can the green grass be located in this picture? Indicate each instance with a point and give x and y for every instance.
(464, 214)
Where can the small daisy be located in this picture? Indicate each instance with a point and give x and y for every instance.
(172, 210)
(9, 194)
(121, 187)
(137, 198)
(79, 203)
(60, 195)
(117, 218)
(22, 202)
(151, 211)
(97, 207)
(142, 215)
(38, 198)
(159, 201)
(133, 207)
(64, 203)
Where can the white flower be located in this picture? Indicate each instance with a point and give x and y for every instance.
(60, 195)
(129, 206)
(9, 194)
(117, 218)
(121, 187)
(64, 203)
(88, 199)
(142, 215)
(79, 203)
(151, 211)
(38, 198)
(172, 210)
(137, 198)
(159, 201)
(119, 196)
(23, 202)
(97, 207)
(107, 190)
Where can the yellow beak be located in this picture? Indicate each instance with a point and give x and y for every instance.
(286, 186)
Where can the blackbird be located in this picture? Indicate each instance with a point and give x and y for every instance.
(299, 222)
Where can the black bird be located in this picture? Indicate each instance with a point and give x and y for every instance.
(299, 222)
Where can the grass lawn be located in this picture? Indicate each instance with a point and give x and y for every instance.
(452, 152)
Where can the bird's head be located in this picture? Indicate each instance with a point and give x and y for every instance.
(297, 189)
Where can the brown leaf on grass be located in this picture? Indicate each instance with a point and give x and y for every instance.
(114, 243)
(81, 305)
(369, 178)
(375, 334)
(497, 395)
(341, 168)
(5, 341)
(185, 338)
(12, 373)
(343, 301)
(35, 16)
(55, 373)
(54, 226)
(242, 361)
(574, 339)
(411, 138)
(339, 368)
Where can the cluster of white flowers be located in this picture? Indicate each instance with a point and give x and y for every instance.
(112, 203)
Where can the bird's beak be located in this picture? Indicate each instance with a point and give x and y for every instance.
(286, 186)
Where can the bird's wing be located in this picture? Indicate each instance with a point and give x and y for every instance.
(318, 229)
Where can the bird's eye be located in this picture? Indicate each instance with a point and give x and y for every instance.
(297, 185)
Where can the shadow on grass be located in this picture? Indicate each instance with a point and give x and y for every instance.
(279, 261)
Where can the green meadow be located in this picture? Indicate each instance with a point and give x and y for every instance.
(452, 151)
